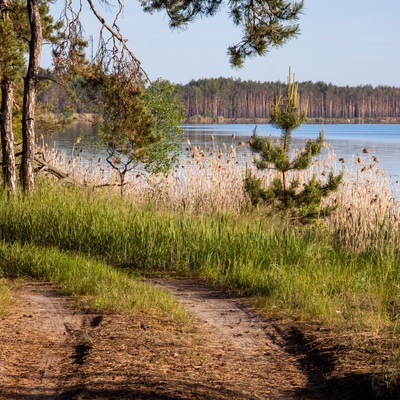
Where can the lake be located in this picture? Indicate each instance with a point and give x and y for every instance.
(382, 140)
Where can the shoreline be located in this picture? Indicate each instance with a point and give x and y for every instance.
(221, 120)
(316, 121)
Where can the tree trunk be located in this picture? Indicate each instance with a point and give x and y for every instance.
(6, 123)
(30, 83)
(7, 136)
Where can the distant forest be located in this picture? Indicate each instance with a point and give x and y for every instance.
(234, 100)
(230, 99)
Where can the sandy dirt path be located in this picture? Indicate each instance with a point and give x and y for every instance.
(36, 343)
(49, 350)
(257, 347)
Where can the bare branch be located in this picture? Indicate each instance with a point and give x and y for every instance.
(48, 78)
(115, 33)
(44, 166)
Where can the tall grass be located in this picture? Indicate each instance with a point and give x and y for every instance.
(197, 221)
(293, 271)
(210, 179)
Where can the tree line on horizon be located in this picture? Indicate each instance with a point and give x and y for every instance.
(221, 99)
(229, 98)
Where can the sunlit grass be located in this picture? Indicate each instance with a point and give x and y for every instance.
(93, 284)
(210, 180)
(294, 271)
(6, 298)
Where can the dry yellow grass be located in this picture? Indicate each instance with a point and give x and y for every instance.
(368, 202)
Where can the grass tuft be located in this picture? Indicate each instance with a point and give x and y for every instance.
(6, 298)
(93, 284)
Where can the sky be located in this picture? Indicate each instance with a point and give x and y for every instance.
(343, 42)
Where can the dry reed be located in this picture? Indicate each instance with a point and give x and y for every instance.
(211, 179)
(367, 215)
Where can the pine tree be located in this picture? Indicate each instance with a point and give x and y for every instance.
(23, 26)
(11, 63)
(285, 193)
(265, 24)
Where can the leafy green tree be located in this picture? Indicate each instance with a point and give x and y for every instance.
(168, 114)
(140, 128)
(285, 193)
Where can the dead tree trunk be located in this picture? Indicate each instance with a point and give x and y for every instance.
(30, 83)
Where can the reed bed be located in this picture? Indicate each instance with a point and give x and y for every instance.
(211, 179)
(89, 171)
(368, 207)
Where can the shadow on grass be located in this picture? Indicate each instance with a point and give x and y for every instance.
(318, 363)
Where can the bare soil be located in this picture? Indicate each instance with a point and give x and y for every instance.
(51, 350)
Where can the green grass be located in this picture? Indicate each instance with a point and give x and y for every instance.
(289, 270)
(93, 283)
(97, 245)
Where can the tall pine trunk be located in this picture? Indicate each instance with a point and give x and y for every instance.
(7, 136)
(6, 123)
(30, 83)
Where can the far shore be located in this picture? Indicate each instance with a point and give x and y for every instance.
(221, 120)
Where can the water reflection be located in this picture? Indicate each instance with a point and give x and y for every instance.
(348, 141)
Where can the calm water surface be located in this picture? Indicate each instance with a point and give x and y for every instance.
(382, 140)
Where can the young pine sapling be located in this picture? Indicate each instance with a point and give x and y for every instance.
(285, 193)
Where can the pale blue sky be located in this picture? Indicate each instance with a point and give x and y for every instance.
(345, 42)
